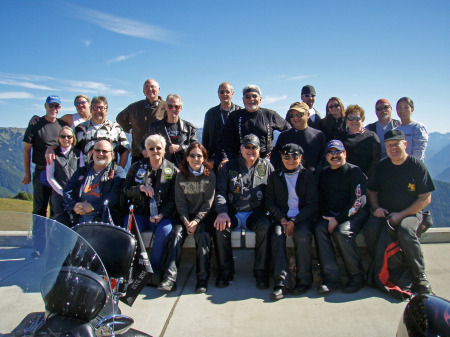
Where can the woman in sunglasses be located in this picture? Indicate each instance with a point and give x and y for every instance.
(292, 200)
(362, 146)
(194, 196)
(334, 122)
(67, 160)
(153, 177)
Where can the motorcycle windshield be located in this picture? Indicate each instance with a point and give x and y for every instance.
(51, 279)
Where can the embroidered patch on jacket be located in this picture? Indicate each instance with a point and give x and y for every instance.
(357, 204)
(261, 170)
(168, 173)
(233, 173)
(411, 187)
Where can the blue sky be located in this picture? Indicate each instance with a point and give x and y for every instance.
(356, 50)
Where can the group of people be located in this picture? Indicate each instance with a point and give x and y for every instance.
(326, 178)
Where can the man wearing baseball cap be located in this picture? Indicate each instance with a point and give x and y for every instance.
(241, 185)
(38, 137)
(342, 197)
(308, 96)
(383, 110)
(311, 140)
(398, 191)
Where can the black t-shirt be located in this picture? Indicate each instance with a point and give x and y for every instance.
(363, 150)
(398, 186)
(312, 141)
(42, 135)
(173, 131)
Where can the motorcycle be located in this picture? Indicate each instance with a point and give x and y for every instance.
(81, 273)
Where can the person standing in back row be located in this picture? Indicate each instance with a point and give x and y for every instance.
(138, 116)
(215, 119)
(252, 120)
(308, 96)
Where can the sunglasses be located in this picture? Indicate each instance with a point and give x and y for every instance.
(99, 108)
(354, 118)
(300, 115)
(333, 106)
(158, 148)
(250, 147)
(80, 103)
(291, 156)
(223, 92)
(384, 107)
(54, 105)
(66, 136)
(308, 95)
(194, 156)
(174, 106)
(251, 96)
(332, 153)
(102, 151)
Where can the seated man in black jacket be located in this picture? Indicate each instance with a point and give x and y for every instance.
(241, 184)
(342, 197)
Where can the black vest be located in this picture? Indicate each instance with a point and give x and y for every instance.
(66, 167)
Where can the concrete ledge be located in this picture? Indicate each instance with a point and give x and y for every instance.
(239, 239)
(243, 239)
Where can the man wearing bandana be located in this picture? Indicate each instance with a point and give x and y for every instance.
(241, 184)
(252, 119)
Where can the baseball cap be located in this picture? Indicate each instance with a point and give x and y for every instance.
(337, 144)
(53, 99)
(292, 148)
(250, 139)
(308, 90)
(394, 135)
(299, 106)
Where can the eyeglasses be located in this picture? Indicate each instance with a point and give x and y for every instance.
(354, 118)
(251, 96)
(66, 136)
(332, 153)
(158, 148)
(384, 107)
(333, 106)
(300, 114)
(291, 156)
(194, 156)
(308, 95)
(99, 151)
(80, 103)
(174, 106)
(250, 147)
(99, 108)
(54, 105)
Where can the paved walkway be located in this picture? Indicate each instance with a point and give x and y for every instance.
(243, 310)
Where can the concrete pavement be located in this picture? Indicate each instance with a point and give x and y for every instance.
(243, 310)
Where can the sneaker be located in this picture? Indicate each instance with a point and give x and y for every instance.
(201, 286)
